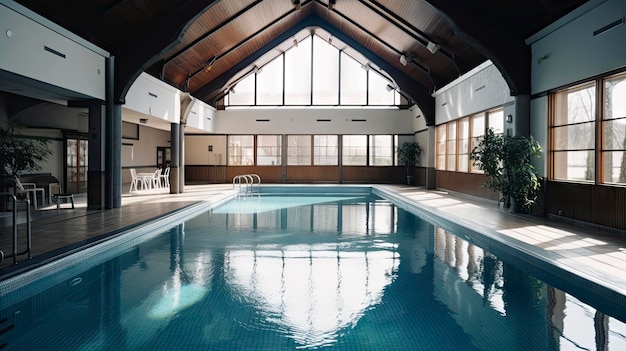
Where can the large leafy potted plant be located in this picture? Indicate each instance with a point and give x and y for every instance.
(506, 163)
(409, 155)
(19, 154)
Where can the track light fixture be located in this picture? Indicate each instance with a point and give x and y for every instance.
(432, 47)
(404, 60)
(297, 5)
(210, 63)
(331, 4)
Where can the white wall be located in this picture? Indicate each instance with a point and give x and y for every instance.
(142, 153)
(68, 62)
(153, 97)
(305, 121)
(568, 52)
(478, 90)
(197, 151)
(202, 116)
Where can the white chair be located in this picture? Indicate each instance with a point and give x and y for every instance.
(134, 181)
(156, 179)
(23, 190)
(165, 178)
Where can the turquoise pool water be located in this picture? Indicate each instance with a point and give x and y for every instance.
(349, 272)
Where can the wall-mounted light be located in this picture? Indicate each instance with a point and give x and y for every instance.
(509, 118)
(295, 42)
(404, 60)
(432, 47)
(331, 4)
(143, 120)
(389, 87)
(330, 40)
(297, 5)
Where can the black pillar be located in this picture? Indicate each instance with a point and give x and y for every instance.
(175, 161)
(113, 143)
(181, 158)
(96, 147)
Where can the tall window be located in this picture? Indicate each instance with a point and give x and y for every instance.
(268, 150)
(496, 120)
(451, 147)
(379, 90)
(572, 132)
(440, 161)
(464, 132)
(381, 150)
(354, 150)
(240, 150)
(614, 130)
(325, 150)
(269, 83)
(299, 150)
(243, 92)
(353, 82)
(477, 130)
(325, 73)
(298, 80)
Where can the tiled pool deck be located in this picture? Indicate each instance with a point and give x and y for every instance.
(596, 255)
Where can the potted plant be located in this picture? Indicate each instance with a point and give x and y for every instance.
(506, 163)
(19, 154)
(409, 155)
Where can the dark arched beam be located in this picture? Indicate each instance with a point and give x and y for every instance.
(406, 84)
(496, 38)
(147, 46)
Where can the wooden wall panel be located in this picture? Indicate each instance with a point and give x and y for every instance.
(597, 204)
(466, 183)
(312, 174)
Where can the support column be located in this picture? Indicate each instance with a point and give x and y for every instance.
(521, 118)
(174, 162)
(95, 162)
(181, 158)
(431, 174)
(113, 143)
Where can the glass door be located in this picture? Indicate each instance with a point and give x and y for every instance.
(76, 164)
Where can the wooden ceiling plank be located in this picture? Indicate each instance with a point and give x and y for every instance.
(380, 40)
(209, 33)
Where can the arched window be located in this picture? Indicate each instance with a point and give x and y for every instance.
(313, 72)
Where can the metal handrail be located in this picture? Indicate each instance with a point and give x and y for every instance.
(249, 182)
(28, 250)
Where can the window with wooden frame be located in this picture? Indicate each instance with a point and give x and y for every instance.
(572, 133)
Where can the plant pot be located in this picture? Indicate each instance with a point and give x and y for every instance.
(409, 180)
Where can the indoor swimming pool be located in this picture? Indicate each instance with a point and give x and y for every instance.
(349, 271)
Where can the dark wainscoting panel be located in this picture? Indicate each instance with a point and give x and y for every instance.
(466, 183)
(598, 204)
(303, 174)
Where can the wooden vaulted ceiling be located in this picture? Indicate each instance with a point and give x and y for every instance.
(177, 40)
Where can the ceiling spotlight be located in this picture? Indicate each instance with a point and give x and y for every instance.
(297, 5)
(432, 47)
(295, 42)
(210, 63)
(331, 4)
(404, 60)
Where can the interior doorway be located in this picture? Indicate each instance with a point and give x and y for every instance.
(76, 164)
(164, 154)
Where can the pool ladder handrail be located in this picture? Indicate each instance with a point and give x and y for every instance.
(28, 250)
(249, 186)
